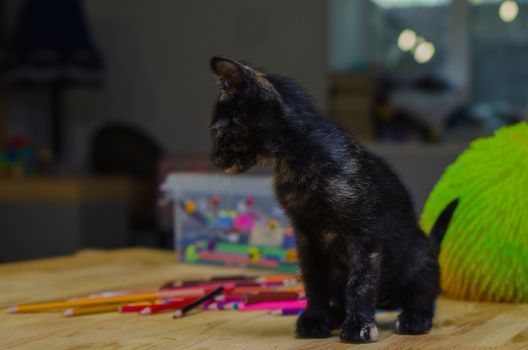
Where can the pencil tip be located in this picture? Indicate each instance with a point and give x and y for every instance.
(275, 312)
(145, 311)
(68, 312)
(177, 314)
(12, 309)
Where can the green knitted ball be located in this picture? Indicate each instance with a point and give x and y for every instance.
(484, 254)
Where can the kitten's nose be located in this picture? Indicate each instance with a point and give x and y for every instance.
(216, 131)
(217, 160)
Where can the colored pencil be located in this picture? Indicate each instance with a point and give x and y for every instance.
(231, 278)
(171, 305)
(220, 305)
(90, 310)
(211, 286)
(235, 284)
(287, 312)
(222, 298)
(238, 282)
(180, 313)
(271, 296)
(248, 290)
(229, 298)
(287, 279)
(272, 305)
(136, 307)
(190, 283)
(144, 296)
(209, 302)
(282, 278)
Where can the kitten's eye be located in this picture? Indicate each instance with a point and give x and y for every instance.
(220, 123)
(219, 126)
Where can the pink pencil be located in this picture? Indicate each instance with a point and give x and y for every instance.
(272, 305)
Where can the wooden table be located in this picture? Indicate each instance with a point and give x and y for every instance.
(458, 325)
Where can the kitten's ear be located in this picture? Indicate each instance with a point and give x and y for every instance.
(235, 78)
(230, 76)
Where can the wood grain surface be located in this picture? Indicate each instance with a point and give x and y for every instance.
(458, 325)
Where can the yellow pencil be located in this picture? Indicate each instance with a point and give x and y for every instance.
(99, 309)
(90, 310)
(122, 299)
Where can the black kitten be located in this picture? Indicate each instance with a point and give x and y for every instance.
(359, 243)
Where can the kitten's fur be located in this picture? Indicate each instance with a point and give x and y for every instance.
(359, 243)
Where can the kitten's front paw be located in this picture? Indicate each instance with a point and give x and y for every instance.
(313, 325)
(408, 323)
(364, 333)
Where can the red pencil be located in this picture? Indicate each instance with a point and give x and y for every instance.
(271, 296)
(134, 307)
(147, 310)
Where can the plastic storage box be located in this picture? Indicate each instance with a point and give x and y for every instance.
(230, 220)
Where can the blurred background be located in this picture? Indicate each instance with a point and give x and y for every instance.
(101, 99)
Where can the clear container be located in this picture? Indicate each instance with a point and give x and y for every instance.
(230, 220)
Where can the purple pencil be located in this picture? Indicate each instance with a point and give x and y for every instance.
(286, 312)
(230, 298)
(220, 301)
(220, 305)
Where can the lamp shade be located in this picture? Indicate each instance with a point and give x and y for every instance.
(51, 42)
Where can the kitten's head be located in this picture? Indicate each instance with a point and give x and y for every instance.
(243, 119)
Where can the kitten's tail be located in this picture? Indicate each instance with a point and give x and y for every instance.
(441, 225)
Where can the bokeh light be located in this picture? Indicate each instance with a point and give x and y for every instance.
(406, 40)
(508, 11)
(424, 52)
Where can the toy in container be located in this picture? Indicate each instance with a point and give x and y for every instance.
(230, 220)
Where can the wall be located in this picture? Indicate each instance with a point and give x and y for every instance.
(346, 34)
(157, 55)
